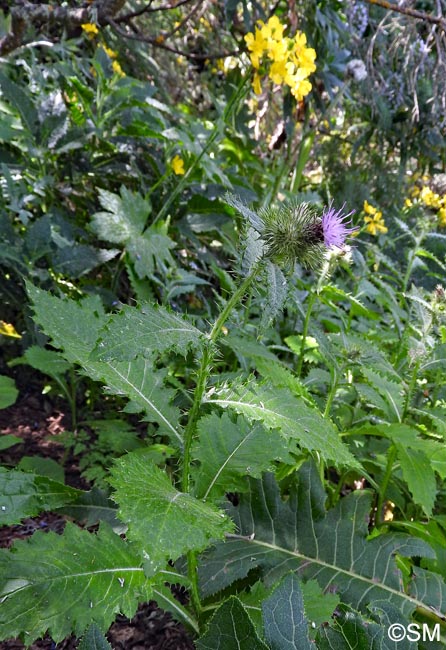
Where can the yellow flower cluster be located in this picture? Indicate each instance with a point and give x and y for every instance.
(374, 220)
(290, 61)
(438, 203)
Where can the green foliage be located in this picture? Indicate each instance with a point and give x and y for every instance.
(278, 408)
(101, 572)
(278, 433)
(298, 534)
(231, 628)
(162, 521)
(94, 640)
(24, 495)
(8, 392)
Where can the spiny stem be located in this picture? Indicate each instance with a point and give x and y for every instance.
(202, 377)
(300, 361)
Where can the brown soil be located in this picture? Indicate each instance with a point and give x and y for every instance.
(34, 419)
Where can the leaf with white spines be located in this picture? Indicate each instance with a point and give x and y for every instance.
(278, 408)
(146, 331)
(164, 522)
(61, 583)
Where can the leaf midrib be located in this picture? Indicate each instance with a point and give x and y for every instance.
(333, 568)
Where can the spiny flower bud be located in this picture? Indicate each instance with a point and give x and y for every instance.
(297, 233)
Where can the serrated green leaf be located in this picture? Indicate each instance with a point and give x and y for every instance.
(48, 362)
(391, 391)
(277, 289)
(165, 523)
(419, 476)
(285, 623)
(101, 574)
(277, 536)
(319, 605)
(353, 630)
(125, 216)
(230, 629)
(145, 331)
(151, 251)
(25, 495)
(74, 327)
(279, 409)
(279, 375)
(229, 451)
(93, 639)
(8, 392)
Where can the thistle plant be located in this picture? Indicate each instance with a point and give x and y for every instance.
(239, 435)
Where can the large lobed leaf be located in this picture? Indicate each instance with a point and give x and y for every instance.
(74, 327)
(145, 331)
(61, 583)
(278, 536)
(124, 216)
(278, 408)
(164, 522)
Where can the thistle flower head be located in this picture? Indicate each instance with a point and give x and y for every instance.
(334, 226)
(297, 233)
(293, 233)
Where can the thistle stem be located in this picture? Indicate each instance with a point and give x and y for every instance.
(300, 361)
(189, 434)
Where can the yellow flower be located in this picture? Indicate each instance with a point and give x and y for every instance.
(257, 87)
(109, 52)
(273, 29)
(429, 198)
(369, 209)
(441, 214)
(117, 69)
(7, 329)
(301, 89)
(257, 46)
(408, 203)
(277, 50)
(375, 224)
(178, 166)
(90, 29)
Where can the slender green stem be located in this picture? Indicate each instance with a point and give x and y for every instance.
(231, 107)
(332, 393)
(410, 389)
(300, 360)
(384, 484)
(202, 377)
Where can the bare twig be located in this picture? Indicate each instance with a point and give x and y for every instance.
(413, 13)
(149, 9)
(25, 14)
(157, 42)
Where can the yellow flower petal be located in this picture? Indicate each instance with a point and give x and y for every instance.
(178, 166)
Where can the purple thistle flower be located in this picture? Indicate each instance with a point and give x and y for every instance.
(334, 226)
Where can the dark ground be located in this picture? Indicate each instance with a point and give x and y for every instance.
(35, 420)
